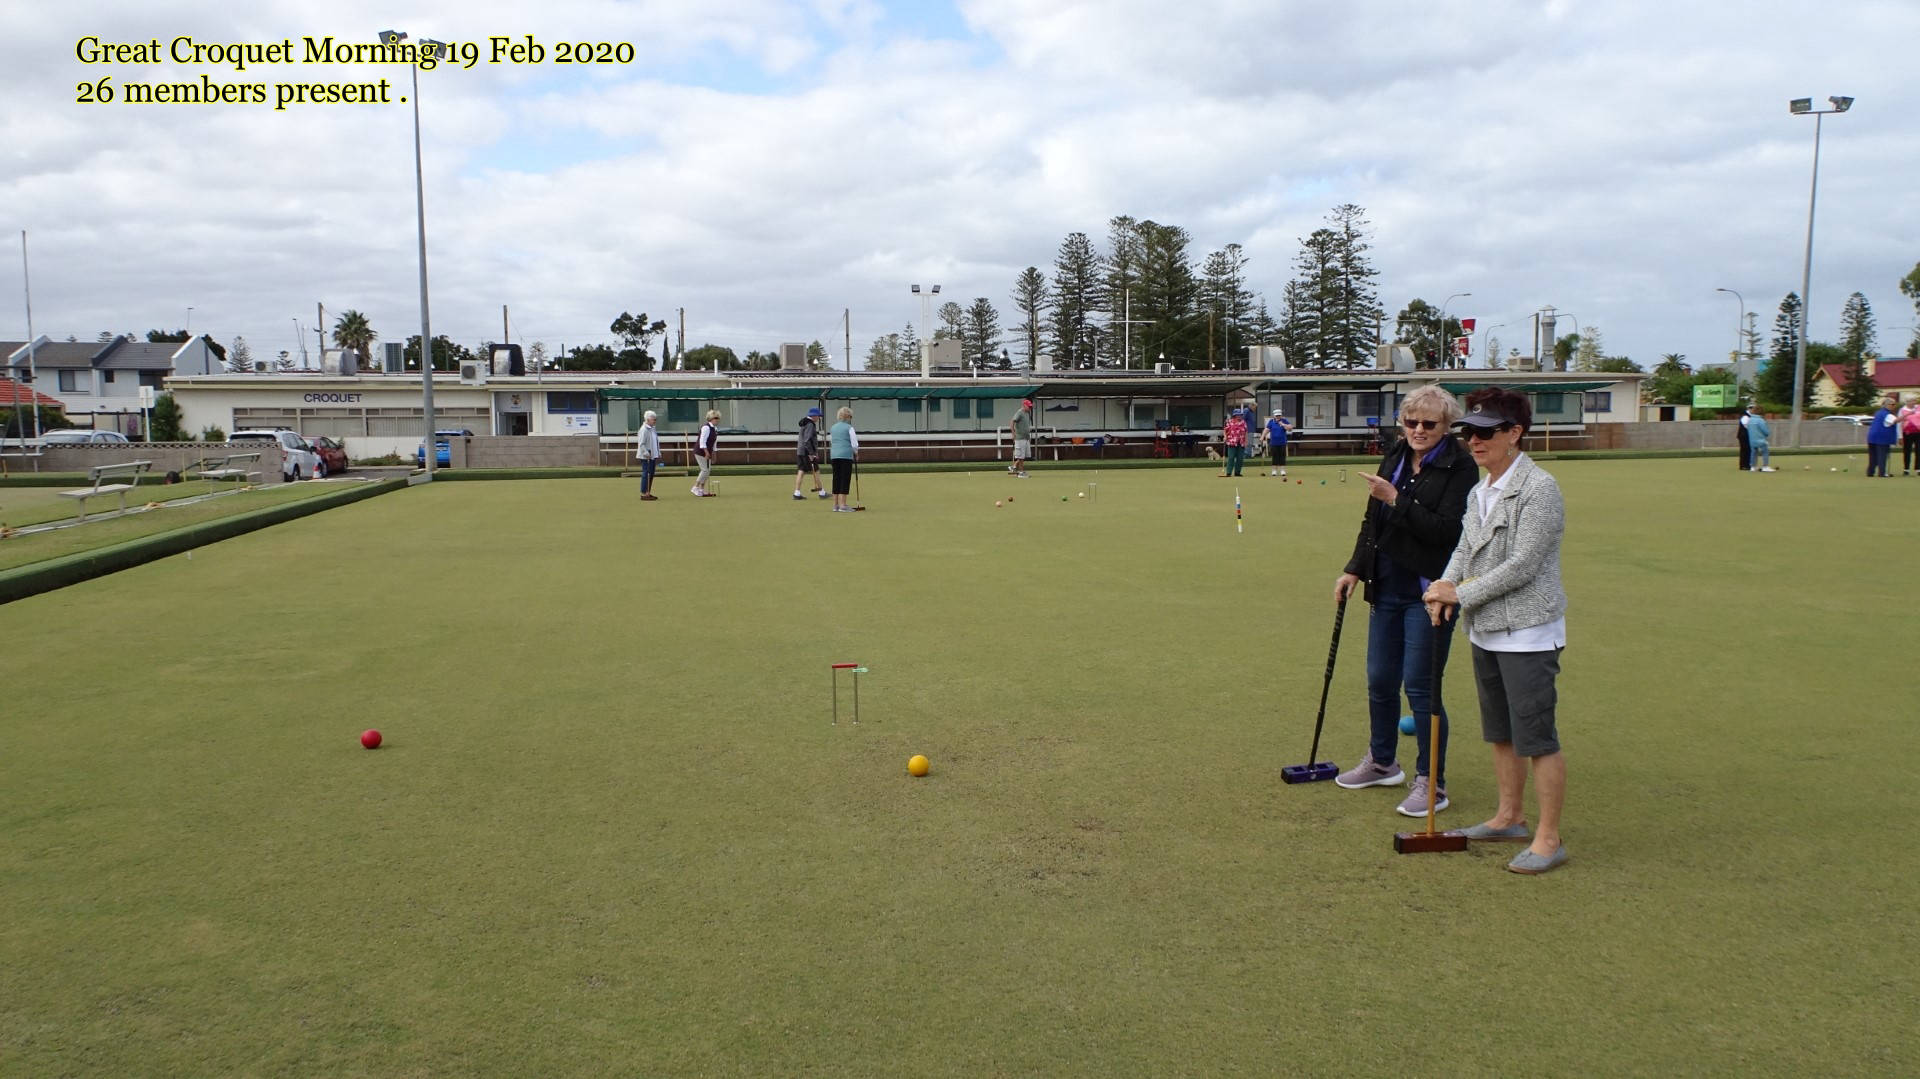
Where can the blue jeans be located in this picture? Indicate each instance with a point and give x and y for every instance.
(647, 465)
(1400, 643)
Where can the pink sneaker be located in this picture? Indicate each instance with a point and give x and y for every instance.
(1369, 774)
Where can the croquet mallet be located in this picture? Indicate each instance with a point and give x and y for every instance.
(1320, 770)
(1430, 841)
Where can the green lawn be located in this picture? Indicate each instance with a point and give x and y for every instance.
(614, 832)
(105, 526)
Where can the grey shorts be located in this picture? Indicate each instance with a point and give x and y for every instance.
(1517, 699)
(1022, 449)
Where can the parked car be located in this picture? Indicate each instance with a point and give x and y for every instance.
(332, 455)
(442, 451)
(70, 436)
(1857, 421)
(296, 457)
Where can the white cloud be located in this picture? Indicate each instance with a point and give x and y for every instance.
(766, 165)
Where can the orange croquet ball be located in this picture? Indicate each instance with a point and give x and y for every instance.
(917, 765)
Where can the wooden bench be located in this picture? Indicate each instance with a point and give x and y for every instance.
(130, 471)
(231, 467)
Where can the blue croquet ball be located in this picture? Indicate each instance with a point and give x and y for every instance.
(1406, 725)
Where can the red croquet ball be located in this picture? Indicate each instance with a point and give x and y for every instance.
(370, 739)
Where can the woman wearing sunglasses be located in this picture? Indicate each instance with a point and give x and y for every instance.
(1414, 508)
(1504, 580)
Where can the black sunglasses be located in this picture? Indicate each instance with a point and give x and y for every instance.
(1419, 425)
(1486, 432)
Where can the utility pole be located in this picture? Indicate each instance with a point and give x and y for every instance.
(320, 312)
(506, 335)
(680, 357)
(846, 328)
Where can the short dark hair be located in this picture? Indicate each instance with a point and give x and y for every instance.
(1504, 402)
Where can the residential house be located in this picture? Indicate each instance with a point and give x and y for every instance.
(101, 381)
(1892, 376)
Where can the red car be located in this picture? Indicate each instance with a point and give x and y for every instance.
(332, 455)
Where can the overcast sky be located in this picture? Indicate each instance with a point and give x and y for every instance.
(766, 165)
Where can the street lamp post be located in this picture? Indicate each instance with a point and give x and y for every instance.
(926, 340)
(1486, 353)
(1446, 339)
(394, 38)
(1739, 331)
(1803, 106)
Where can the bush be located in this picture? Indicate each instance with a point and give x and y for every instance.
(211, 433)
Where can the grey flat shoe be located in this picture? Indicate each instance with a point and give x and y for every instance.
(1512, 833)
(1534, 864)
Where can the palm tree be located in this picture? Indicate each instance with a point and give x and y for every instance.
(352, 331)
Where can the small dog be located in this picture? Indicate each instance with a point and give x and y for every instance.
(1213, 454)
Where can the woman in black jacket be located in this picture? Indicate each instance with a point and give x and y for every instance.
(1414, 508)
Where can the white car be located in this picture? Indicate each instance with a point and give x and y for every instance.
(73, 436)
(1857, 421)
(297, 459)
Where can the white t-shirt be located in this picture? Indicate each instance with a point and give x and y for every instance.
(1541, 638)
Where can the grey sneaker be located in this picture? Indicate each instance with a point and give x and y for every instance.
(1415, 804)
(1369, 774)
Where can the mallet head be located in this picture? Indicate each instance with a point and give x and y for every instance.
(1309, 773)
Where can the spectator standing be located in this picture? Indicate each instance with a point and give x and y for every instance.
(649, 454)
(1235, 436)
(1277, 430)
(1881, 436)
(843, 450)
(807, 454)
(1910, 438)
(707, 447)
(1758, 437)
(1021, 428)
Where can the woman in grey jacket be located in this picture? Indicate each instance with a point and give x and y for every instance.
(1504, 582)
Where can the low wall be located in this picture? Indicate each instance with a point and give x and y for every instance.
(166, 457)
(1714, 435)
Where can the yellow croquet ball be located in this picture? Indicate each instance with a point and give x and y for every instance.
(917, 765)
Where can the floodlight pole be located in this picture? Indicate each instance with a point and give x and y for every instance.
(1802, 107)
(430, 451)
(1739, 332)
(33, 373)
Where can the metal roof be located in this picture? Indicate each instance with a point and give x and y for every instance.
(1527, 387)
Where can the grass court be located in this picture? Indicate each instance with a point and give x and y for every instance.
(613, 831)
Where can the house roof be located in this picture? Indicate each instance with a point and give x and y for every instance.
(54, 353)
(126, 354)
(13, 393)
(1887, 374)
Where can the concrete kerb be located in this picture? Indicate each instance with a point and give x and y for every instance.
(55, 573)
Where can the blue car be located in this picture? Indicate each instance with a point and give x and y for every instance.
(442, 454)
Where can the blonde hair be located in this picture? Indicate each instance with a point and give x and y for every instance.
(845, 413)
(713, 414)
(1431, 398)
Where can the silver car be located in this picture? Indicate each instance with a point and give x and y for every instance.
(297, 459)
(74, 436)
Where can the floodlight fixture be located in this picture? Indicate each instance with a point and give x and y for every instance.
(392, 37)
(1841, 104)
(1800, 105)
